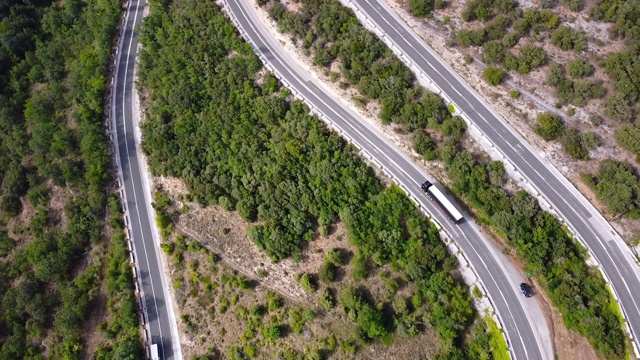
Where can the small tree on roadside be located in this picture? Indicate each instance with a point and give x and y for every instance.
(493, 75)
(550, 126)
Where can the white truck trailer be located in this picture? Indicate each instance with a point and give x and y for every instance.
(435, 194)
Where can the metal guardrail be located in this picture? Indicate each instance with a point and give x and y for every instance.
(426, 81)
(456, 250)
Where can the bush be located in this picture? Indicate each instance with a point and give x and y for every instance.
(493, 75)
(327, 272)
(326, 300)
(617, 186)
(493, 52)
(595, 119)
(274, 302)
(531, 57)
(272, 332)
(579, 68)
(6, 243)
(550, 126)
(515, 94)
(574, 5)
(420, 8)
(566, 38)
(572, 144)
(360, 269)
(307, 283)
(623, 69)
(618, 107)
(590, 140)
(556, 75)
(369, 319)
(467, 38)
(628, 137)
(335, 257)
(424, 145)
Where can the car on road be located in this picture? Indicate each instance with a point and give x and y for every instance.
(526, 290)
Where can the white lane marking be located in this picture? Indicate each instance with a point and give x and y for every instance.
(525, 161)
(124, 119)
(302, 82)
(515, 323)
(445, 79)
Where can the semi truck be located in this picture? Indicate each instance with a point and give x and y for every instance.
(436, 195)
(153, 352)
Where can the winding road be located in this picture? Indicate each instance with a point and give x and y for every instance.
(523, 322)
(160, 323)
(609, 250)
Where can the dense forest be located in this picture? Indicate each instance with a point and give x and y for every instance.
(59, 268)
(330, 32)
(218, 120)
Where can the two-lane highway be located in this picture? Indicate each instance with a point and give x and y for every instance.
(603, 243)
(527, 339)
(156, 302)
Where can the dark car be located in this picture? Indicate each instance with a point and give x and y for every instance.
(425, 186)
(526, 290)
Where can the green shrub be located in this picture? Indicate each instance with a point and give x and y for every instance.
(420, 8)
(574, 5)
(579, 68)
(566, 38)
(327, 272)
(572, 144)
(274, 302)
(424, 145)
(493, 52)
(307, 283)
(335, 256)
(493, 75)
(326, 300)
(550, 126)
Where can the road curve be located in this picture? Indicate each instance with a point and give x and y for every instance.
(604, 244)
(527, 339)
(160, 327)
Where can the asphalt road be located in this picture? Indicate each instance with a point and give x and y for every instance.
(524, 331)
(136, 197)
(604, 244)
